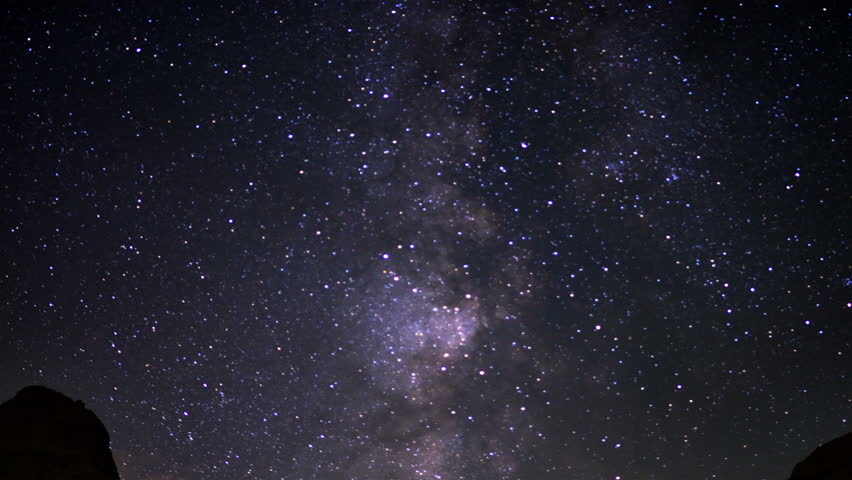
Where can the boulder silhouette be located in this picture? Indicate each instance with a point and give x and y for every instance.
(46, 435)
(831, 461)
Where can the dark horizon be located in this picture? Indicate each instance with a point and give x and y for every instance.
(421, 240)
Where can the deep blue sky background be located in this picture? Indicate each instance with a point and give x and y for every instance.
(446, 240)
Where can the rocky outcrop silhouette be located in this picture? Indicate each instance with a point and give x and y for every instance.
(831, 461)
(46, 435)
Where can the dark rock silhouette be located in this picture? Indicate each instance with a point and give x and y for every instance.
(831, 461)
(46, 435)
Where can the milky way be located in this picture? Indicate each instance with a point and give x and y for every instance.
(366, 240)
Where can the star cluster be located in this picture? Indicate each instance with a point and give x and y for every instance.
(440, 240)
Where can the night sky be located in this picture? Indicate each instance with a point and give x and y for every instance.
(440, 240)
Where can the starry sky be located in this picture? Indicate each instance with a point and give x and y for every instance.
(440, 240)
